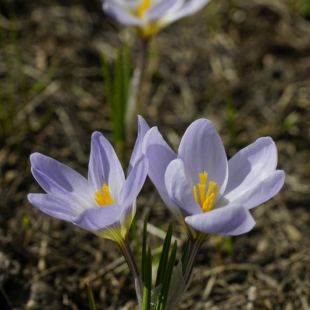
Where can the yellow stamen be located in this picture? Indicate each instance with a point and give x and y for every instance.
(103, 198)
(203, 198)
(144, 6)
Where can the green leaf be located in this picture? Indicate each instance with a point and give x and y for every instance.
(144, 239)
(176, 287)
(167, 280)
(138, 244)
(185, 254)
(117, 85)
(92, 305)
(146, 305)
(164, 256)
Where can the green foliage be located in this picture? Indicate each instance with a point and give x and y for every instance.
(158, 298)
(185, 254)
(301, 7)
(163, 297)
(147, 276)
(92, 304)
(117, 92)
(144, 257)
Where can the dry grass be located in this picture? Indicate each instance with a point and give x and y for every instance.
(245, 66)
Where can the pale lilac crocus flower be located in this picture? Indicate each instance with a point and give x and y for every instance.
(150, 16)
(105, 202)
(207, 193)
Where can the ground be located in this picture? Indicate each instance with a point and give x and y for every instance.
(243, 64)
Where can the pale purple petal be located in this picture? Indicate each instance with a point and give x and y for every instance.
(120, 15)
(251, 165)
(127, 4)
(231, 220)
(143, 128)
(104, 167)
(158, 10)
(134, 183)
(258, 194)
(159, 155)
(189, 8)
(58, 179)
(179, 189)
(99, 218)
(55, 206)
(201, 150)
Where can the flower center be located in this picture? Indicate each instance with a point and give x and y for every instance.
(144, 6)
(103, 197)
(204, 195)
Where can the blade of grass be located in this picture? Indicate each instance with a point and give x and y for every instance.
(164, 256)
(185, 254)
(143, 258)
(92, 304)
(146, 305)
(166, 283)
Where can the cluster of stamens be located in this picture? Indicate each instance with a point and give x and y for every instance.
(103, 197)
(205, 196)
(144, 6)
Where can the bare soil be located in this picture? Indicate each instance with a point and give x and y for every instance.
(243, 64)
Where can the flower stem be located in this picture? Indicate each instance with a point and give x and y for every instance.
(124, 246)
(195, 245)
(134, 105)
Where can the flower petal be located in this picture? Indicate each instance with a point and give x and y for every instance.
(260, 192)
(201, 150)
(55, 206)
(134, 183)
(143, 128)
(59, 180)
(104, 167)
(120, 15)
(189, 8)
(251, 165)
(232, 220)
(99, 218)
(179, 189)
(159, 10)
(159, 155)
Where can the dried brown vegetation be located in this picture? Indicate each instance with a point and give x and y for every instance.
(243, 64)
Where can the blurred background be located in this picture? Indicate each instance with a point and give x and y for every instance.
(243, 64)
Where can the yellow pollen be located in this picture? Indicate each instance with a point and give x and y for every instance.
(103, 198)
(144, 6)
(205, 198)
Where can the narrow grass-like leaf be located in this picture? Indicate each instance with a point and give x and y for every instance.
(107, 80)
(167, 279)
(92, 304)
(176, 287)
(143, 256)
(185, 254)
(138, 244)
(164, 256)
(117, 93)
(146, 305)
(229, 244)
(42, 82)
(126, 77)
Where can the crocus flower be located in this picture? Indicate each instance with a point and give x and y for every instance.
(150, 16)
(202, 189)
(105, 202)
